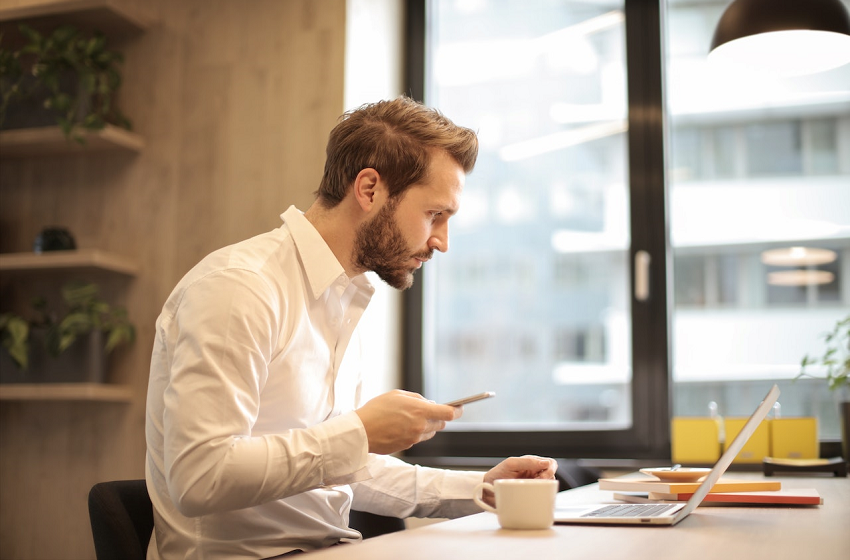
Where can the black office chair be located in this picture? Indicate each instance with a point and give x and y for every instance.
(121, 519)
(571, 474)
(371, 524)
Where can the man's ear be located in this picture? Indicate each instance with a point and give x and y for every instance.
(366, 188)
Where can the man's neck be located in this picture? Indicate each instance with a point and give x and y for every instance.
(337, 226)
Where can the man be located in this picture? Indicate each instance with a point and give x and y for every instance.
(258, 445)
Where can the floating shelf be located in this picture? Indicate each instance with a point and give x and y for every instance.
(65, 260)
(114, 18)
(50, 140)
(65, 392)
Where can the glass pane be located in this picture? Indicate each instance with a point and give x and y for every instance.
(757, 164)
(773, 148)
(532, 300)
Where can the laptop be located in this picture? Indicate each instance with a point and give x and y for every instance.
(666, 513)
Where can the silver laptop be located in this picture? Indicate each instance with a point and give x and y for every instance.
(666, 513)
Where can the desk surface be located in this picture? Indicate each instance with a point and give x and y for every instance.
(717, 532)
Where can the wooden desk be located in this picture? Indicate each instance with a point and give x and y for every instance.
(712, 532)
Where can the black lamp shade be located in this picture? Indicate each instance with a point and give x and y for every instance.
(750, 17)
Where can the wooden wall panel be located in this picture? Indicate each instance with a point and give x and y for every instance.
(234, 100)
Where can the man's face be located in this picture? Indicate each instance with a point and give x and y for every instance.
(406, 231)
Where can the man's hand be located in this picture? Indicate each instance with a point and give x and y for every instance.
(398, 420)
(527, 466)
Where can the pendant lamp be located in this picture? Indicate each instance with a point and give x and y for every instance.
(783, 37)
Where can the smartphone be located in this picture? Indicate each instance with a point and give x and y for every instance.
(473, 398)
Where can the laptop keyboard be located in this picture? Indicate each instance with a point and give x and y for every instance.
(630, 510)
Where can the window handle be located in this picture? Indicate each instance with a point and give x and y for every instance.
(642, 260)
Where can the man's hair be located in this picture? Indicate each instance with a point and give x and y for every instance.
(397, 138)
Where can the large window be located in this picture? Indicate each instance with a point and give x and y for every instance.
(532, 300)
(759, 199)
(566, 215)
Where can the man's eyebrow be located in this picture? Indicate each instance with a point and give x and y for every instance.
(447, 210)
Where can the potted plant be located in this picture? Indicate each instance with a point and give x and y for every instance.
(65, 77)
(836, 363)
(83, 332)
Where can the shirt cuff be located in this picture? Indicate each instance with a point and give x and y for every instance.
(456, 495)
(458, 485)
(345, 450)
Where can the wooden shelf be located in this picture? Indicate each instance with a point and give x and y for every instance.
(113, 18)
(65, 260)
(65, 392)
(50, 140)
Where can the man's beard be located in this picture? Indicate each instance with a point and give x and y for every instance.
(379, 246)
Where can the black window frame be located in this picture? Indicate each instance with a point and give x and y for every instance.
(649, 436)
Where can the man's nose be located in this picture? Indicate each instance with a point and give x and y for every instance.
(439, 240)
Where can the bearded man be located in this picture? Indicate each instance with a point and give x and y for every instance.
(257, 443)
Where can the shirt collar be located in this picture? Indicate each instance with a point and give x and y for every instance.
(320, 264)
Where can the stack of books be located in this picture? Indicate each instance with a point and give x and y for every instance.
(645, 489)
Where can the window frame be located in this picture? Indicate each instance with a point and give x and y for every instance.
(649, 435)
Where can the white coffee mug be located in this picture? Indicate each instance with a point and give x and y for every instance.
(521, 503)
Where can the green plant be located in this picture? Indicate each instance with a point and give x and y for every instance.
(85, 312)
(14, 334)
(49, 60)
(836, 357)
(11, 76)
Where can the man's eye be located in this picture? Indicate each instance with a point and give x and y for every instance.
(435, 215)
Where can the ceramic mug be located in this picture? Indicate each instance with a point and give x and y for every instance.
(521, 503)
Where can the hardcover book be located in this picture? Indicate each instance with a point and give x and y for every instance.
(799, 496)
(631, 484)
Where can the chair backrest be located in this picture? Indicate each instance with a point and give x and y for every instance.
(571, 474)
(372, 525)
(121, 519)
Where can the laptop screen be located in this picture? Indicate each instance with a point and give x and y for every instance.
(732, 451)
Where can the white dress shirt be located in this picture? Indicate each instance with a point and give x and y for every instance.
(253, 445)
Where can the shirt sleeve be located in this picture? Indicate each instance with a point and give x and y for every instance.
(400, 489)
(212, 461)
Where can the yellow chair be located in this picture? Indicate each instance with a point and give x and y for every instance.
(756, 448)
(695, 441)
(794, 438)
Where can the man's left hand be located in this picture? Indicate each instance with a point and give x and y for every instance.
(527, 466)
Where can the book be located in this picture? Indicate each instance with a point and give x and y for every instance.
(631, 484)
(797, 496)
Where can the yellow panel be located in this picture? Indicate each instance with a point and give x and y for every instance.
(758, 446)
(695, 440)
(794, 438)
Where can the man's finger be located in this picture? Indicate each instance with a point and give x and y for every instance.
(548, 466)
(427, 435)
(441, 412)
(436, 425)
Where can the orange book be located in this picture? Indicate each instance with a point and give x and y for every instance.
(630, 484)
(797, 496)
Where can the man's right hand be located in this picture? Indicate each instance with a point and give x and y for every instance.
(399, 419)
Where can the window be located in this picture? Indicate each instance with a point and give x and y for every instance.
(545, 218)
(760, 167)
(535, 299)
